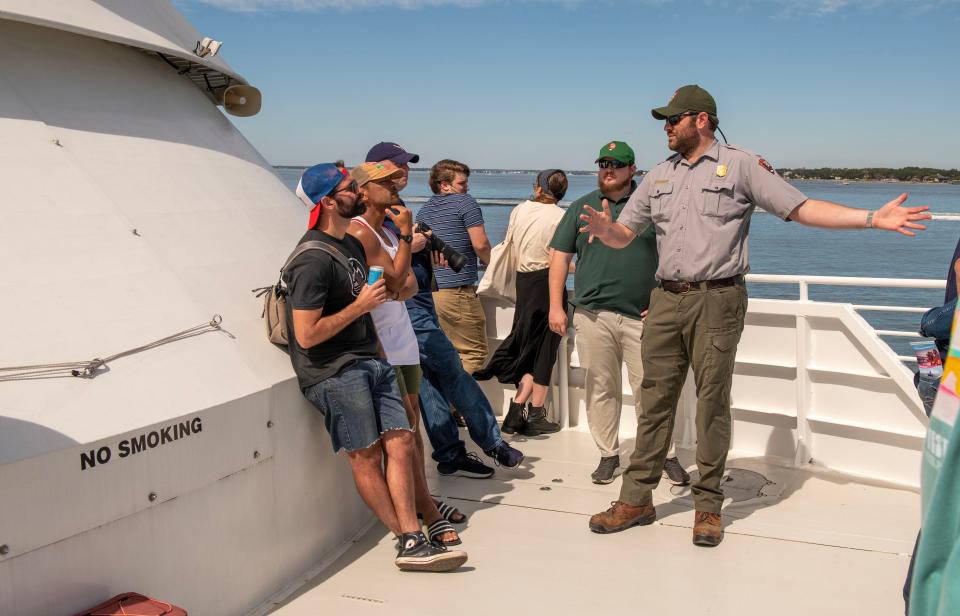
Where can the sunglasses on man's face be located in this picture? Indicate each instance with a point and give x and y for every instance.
(351, 187)
(608, 163)
(675, 119)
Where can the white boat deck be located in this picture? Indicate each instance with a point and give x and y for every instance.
(813, 543)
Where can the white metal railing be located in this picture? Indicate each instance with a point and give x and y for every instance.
(804, 283)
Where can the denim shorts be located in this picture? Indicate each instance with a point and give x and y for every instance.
(359, 404)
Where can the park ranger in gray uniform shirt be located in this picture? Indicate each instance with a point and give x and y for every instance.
(700, 201)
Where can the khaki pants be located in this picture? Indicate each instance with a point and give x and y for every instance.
(700, 327)
(605, 341)
(461, 318)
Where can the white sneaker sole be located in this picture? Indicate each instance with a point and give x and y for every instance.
(438, 564)
(467, 474)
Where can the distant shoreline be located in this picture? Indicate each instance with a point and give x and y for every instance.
(908, 175)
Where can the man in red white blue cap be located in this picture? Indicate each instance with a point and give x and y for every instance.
(318, 182)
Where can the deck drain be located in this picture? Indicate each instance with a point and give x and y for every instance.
(739, 485)
(364, 599)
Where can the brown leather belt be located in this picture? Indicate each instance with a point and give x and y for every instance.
(679, 286)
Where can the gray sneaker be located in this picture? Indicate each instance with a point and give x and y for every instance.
(675, 473)
(605, 470)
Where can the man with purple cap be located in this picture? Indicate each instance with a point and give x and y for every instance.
(387, 150)
(335, 353)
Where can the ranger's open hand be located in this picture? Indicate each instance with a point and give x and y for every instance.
(894, 217)
(598, 223)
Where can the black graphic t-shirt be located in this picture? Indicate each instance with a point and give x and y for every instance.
(315, 280)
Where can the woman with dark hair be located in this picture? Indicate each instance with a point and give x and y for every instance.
(526, 357)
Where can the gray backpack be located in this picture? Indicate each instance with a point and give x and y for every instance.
(275, 296)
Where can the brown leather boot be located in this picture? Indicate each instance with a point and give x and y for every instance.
(707, 529)
(621, 516)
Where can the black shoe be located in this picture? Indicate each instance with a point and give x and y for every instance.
(537, 422)
(465, 465)
(605, 470)
(505, 455)
(675, 473)
(516, 419)
(415, 553)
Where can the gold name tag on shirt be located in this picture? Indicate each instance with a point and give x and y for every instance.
(721, 171)
(662, 182)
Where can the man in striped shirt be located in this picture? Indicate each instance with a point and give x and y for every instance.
(455, 217)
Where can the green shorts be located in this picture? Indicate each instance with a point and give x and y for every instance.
(408, 378)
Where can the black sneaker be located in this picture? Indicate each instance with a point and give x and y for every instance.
(415, 553)
(505, 455)
(465, 465)
(537, 422)
(605, 470)
(675, 473)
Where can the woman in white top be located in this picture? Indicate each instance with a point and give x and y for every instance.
(527, 355)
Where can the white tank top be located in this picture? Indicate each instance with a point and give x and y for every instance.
(391, 318)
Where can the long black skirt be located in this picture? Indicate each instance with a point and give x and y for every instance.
(531, 348)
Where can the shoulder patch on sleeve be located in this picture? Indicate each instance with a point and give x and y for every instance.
(763, 163)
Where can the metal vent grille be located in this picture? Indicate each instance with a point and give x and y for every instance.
(210, 81)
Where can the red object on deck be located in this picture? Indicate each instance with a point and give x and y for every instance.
(134, 604)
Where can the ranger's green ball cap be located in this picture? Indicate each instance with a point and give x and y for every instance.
(687, 98)
(617, 150)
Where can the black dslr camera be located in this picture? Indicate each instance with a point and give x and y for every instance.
(455, 260)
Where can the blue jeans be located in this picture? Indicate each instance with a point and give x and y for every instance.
(936, 322)
(444, 379)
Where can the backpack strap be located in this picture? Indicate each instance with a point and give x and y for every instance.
(333, 251)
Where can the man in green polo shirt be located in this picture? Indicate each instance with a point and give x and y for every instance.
(609, 307)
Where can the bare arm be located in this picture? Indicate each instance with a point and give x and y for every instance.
(480, 242)
(600, 225)
(571, 266)
(409, 289)
(559, 266)
(312, 328)
(891, 217)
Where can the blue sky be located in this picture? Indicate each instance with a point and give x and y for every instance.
(545, 83)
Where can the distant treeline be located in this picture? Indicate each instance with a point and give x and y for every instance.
(869, 174)
(875, 174)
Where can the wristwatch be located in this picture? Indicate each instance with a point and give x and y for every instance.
(406, 238)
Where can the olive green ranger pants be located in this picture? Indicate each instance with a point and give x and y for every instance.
(700, 327)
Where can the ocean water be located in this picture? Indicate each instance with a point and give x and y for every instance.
(778, 247)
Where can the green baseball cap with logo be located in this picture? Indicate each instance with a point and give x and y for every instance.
(617, 150)
(687, 98)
